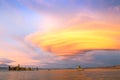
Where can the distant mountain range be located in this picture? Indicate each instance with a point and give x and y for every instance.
(4, 65)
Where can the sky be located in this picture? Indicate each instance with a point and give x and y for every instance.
(60, 33)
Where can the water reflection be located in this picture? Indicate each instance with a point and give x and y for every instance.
(61, 75)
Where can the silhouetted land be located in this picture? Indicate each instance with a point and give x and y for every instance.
(19, 68)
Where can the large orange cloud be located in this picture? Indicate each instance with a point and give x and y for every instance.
(73, 40)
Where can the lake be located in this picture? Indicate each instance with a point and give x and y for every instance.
(87, 74)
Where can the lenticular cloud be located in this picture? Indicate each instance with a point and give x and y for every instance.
(75, 40)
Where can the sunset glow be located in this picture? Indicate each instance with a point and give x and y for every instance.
(59, 33)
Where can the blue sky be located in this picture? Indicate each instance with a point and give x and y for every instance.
(21, 19)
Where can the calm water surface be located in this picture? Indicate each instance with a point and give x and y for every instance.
(61, 75)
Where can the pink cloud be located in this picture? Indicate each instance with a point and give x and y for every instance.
(17, 56)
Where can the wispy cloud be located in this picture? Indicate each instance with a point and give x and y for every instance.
(5, 61)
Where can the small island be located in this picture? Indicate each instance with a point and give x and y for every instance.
(19, 68)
